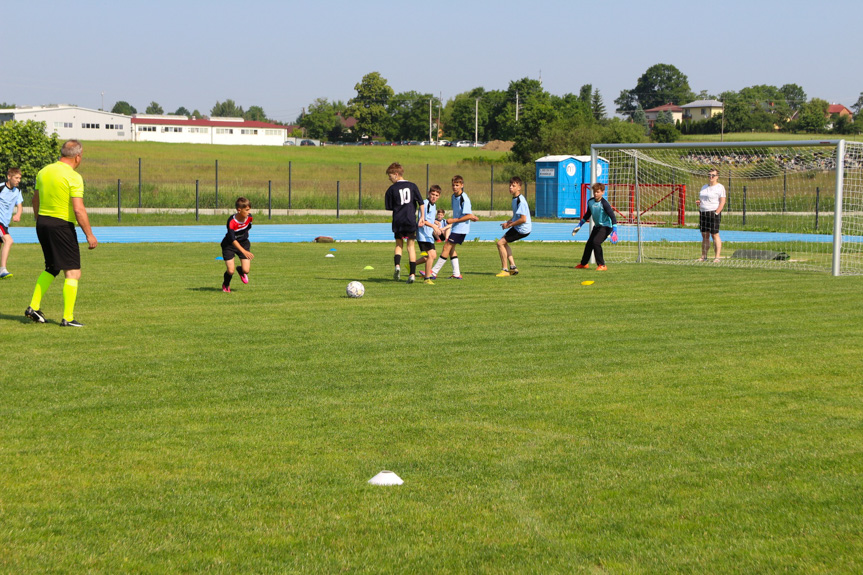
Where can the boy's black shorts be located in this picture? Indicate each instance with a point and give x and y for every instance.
(229, 252)
(3, 231)
(512, 235)
(59, 244)
(426, 246)
(456, 239)
(405, 233)
(708, 222)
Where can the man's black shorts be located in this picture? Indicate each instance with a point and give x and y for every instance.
(426, 246)
(708, 222)
(456, 239)
(59, 243)
(512, 235)
(229, 251)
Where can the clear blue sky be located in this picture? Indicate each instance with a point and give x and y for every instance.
(281, 55)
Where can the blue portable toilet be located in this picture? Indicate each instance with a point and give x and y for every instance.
(560, 181)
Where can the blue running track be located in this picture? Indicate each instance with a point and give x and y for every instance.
(485, 231)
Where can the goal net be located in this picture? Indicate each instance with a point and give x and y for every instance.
(789, 205)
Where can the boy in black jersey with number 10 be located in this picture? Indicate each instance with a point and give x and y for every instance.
(403, 199)
(236, 243)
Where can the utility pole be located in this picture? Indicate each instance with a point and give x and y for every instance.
(439, 103)
(430, 121)
(516, 106)
(476, 123)
(103, 102)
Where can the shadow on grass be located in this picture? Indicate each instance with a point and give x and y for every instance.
(22, 318)
(208, 288)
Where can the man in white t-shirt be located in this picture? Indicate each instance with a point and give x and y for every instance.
(711, 202)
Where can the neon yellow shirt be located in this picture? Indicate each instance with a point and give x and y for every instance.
(58, 183)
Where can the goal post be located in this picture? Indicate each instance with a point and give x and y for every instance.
(789, 204)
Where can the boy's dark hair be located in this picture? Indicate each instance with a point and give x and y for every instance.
(441, 211)
(516, 180)
(13, 172)
(457, 180)
(597, 186)
(396, 168)
(243, 202)
(435, 188)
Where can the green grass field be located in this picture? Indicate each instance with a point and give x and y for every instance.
(666, 419)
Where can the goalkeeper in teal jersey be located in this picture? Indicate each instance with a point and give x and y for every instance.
(604, 225)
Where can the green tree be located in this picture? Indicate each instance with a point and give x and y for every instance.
(469, 114)
(664, 133)
(182, 111)
(320, 120)
(626, 103)
(25, 145)
(813, 116)
(586, 93)
(640, 118)
(255, 114)
(858, 106)
(226, 109)
(794, 95)
(196, 114)
(760, 108)
(369, 106)
(665, 117)
(409, 116)
(597, 107)
(662, 84)
(123, 107)
(535, 126)
(6, 106)
(154, 108)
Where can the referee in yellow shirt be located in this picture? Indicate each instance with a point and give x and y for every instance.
(58, 202)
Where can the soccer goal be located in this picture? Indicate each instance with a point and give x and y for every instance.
(790, 205)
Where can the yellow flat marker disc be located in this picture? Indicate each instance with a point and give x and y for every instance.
(587, 283)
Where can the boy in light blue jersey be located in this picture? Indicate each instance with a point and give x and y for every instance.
(517, 227)
(426, 230)
(462, 216)
(11, 206)
(604, 224)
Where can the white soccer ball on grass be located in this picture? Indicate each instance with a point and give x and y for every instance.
(355, 289)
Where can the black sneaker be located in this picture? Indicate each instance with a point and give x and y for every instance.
(34, 314)
(71, 323)
(513, 271)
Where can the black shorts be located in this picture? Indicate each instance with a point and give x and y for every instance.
(405, 233)
(708, 222)
(456, 239)
(59, 244)
(426, 246)
(512, 235)
(3, 231)
(229, 252)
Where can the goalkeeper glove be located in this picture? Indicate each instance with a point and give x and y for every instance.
(578, 227)
(614, 234)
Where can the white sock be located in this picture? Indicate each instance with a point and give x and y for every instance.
(438, 265)
(455, 269)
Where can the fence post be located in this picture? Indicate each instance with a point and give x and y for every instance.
(289, 185)
(139, 182)
(217, 184)
(196, 200)
(360, 200)
(338, 186)
(784, 188)
(491, 203)
(817, 202)
(270, 199)
(119, 202)
(744, 205)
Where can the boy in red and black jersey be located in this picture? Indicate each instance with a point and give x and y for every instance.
(236, 243)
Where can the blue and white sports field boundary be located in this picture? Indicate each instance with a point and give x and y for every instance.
(484, 231)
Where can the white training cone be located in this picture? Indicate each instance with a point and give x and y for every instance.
(329, 256)
(386, 478)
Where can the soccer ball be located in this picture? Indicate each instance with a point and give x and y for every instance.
(355, 289)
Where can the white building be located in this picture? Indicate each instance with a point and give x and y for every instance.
(233, 131)
(72, 122)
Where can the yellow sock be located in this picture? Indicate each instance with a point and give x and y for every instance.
(70, 294)
(42, 285)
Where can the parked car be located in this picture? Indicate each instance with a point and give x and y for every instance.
(306, 143)
(289, 143)
(464, 144)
